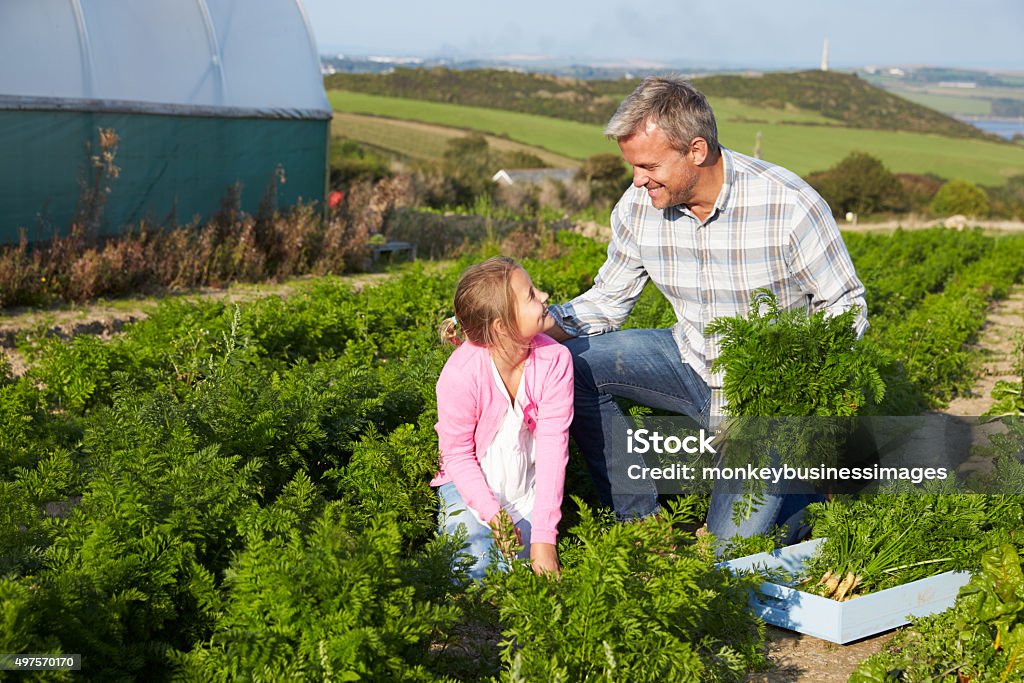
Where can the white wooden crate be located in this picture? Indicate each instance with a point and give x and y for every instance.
(843, 622)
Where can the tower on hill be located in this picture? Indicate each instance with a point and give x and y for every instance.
(824, 56)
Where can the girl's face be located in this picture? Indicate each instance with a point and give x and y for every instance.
(531, 308)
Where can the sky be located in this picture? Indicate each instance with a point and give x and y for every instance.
(701, 33)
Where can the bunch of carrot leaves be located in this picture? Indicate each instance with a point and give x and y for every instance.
(885, 540)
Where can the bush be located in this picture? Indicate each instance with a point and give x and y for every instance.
(960, 197)
(351, 162)
(980, 638)
(232, 246)
(859, 183)
(606, 175)
(635, 602)
(919, 189)
(334, 602)
(1007, 201)
(468, 163)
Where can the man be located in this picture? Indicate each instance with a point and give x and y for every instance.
(707, 226)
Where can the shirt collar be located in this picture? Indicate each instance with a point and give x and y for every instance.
(728, 179)
(722, 201)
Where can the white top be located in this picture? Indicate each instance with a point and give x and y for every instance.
(509, 462)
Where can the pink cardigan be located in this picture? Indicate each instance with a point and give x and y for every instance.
(470, 409)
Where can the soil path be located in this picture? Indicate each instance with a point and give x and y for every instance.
(954, 222)
(797, 658)
(995, 343)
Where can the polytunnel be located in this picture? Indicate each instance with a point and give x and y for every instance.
(193, 98)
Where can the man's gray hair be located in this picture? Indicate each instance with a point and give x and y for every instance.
(676, 107)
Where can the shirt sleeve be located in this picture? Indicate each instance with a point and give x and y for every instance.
(821, 263)
(619, 282)
(457, 417)
(554, 414)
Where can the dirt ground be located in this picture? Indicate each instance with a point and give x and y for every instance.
(913, 223)
(996, 344)
(804, 659)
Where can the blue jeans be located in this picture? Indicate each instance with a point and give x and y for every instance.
(642, 366)
(479, 538)
(775, 510)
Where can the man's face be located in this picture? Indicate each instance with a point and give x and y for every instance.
(668, 175)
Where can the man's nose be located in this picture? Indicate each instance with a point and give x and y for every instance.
(639, 177)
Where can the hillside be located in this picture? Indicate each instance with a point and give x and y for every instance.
(840, 98)
(804, 149)
(541, 94)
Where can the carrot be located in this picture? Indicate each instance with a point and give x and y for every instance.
(825, 577)
(845, 586)
(831, 585)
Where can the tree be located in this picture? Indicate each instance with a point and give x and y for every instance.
(1007, 201)
(859, 183)
(960, 197)
(469, 165)
(605, 174)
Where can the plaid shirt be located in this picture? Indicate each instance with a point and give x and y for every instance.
(768, 229)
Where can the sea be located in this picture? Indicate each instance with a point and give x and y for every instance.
(1006, 128)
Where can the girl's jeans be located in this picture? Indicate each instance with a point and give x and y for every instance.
(479, 540)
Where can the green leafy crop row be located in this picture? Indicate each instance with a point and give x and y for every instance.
(241, 492)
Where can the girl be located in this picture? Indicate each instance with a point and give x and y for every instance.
(504, 404)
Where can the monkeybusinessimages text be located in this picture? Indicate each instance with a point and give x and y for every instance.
(643, 441)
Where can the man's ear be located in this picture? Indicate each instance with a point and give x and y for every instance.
(698, 150)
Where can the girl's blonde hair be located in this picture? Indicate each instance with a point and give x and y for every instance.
(484, 294)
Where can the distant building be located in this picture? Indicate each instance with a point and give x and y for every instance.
(532, 176)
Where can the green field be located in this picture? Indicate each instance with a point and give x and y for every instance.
(577, 140)
(951, 104)
(801, 148)
(422, 141)
(389, 135)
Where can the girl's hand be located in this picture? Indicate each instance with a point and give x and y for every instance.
(507, 537)
(544, 559)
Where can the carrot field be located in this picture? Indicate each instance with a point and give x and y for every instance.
(240, 491)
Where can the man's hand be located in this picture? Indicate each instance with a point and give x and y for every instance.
(544, 559)
(554, 330)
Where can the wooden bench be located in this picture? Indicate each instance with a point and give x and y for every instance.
(393, 248)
